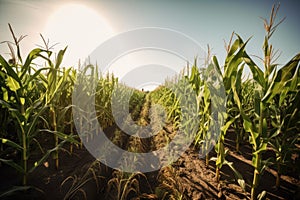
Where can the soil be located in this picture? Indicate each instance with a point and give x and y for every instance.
(80, 176)
(196, 180)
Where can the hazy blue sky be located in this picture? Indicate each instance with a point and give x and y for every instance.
(208, 22)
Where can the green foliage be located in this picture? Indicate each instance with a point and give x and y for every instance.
(25, 100)
(267, 102)
(263, 108)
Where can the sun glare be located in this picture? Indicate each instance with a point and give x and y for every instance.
(78, 27)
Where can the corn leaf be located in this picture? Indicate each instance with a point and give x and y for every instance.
(60, 57)
(12, 84)
(31, 56)
(11, 143)
(237, 175)
(10, 72)
(282, 78)
(13, 164)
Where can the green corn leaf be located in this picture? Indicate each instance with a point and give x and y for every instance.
(237, 175)
(5, 94)
(291, 85)
(5, 104)
(31, 56)
(231, 68)
(32, 126)
(13, 164)
(295, 79)
(250, 128)
(60, 57)
(11, 143)
(45, 156)
(16, 189)
(228, 123)
(232, 49)
(62, 136)
(257, 73)
(10, 72)
(256, 105)
(47, 58)
(266, 46)
(37, 74)
(12, 84)
(282, 77)
(238, 82)
(216, 63)
(254, 160)
(22, 101)
(235, 95)
(236, 59)
(272, 68)
(262, 148)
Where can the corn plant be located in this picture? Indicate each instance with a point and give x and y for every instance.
(86, 79)
(104, 92)
(57, 83)
(203, 134)
(246, 95)
(283, 95)
(165, 97)
(198, 79)
(92, 174)
(233, 69)
(231, 79)
(65, 116)
(136, 103)
(263, 96)
(125, 185)
(285, 128)
(24, 104)
(170, 186)
(24, 101)
(260, 136)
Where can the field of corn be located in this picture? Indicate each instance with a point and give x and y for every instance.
(255, 157)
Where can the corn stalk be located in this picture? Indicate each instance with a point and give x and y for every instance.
(257, 125)
(232, 80)
(23, 102)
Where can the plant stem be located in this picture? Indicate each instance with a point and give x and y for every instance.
(238, 139)
(24, 155)
(71, 133)
(24, 159)
(207, 160)
(254, 184)
(54, 125)
(255, 177)
(217, 174)
(278, 175)
(257, 164)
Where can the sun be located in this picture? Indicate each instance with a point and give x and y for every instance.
(80, 28)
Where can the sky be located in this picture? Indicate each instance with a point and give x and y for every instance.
(84, 25)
